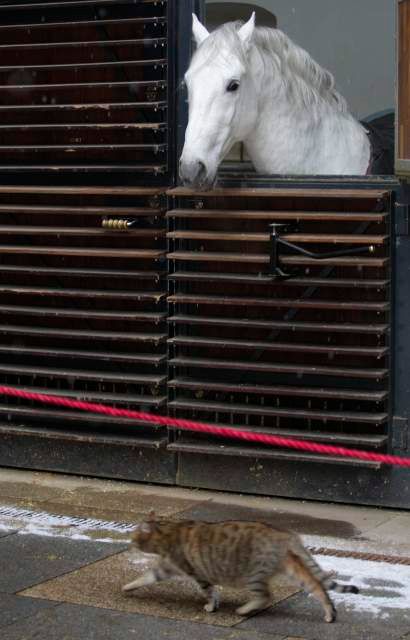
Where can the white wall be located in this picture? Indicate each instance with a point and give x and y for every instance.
(354, 39)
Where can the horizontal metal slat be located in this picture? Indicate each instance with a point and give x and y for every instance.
(277, 302)
(319, 238)
(109, 84)
(35, 210)
(72, 3)
(249, 192)
(75, 24)
(278, 412)
(89, 126)
(258, 278)
(81, 273)
(67, 416)
(278, 390)
(266, 453)
(78, 107)
(107, 64)
(334, 350)
(344, 327)
(154, 148)
(89, 294)
(86, 251)
(80, 190)
(267, 367)
(33, 46)
(80, 374)
(134, 316)
(320, 216)
(51, 352)
(95, 232)
(153, 440)
(80, 334)
(357, 440)
(96, 396)
(83, 168)
(264, 258)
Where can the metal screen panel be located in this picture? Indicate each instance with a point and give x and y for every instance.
(304, 355)
(84, 87)
(82, 305)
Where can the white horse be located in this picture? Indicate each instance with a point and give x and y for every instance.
(254, 85)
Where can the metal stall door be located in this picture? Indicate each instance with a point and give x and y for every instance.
(276, 340)
(85, 154)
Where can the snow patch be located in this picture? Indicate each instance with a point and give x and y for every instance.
(384, 587)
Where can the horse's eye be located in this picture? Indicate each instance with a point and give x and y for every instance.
(233, 86)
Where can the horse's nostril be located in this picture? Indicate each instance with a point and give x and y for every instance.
(201, 169)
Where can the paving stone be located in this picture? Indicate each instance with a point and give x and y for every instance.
(75, 622)
(15, 608)
(214, 511)
(301, 616)
(99, 585)
(26, 560)
(127, 501)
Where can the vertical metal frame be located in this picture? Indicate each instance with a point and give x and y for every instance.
(402, 165)
(183, 52)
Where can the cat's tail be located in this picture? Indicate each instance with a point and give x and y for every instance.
(325, 580)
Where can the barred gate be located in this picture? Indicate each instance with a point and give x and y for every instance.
(86, 101)
(115, 291)
(299, 348)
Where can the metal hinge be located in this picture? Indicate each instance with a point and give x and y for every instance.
(401, 219)
(400, 434)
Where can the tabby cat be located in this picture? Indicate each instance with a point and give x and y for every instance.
(236, 554)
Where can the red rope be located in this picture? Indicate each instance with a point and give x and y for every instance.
(201, 427)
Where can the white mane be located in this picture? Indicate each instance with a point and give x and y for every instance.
(303, 78)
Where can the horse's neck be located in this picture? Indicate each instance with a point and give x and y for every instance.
(290, 137)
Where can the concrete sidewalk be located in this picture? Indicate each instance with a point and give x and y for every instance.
(64, 556)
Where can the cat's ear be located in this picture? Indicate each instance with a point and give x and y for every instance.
(151, 516)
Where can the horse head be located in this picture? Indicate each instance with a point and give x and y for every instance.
(222, 107)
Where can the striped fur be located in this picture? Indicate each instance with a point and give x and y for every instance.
(236, 553)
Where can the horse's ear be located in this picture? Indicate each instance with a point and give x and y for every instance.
(246, 31)
(199, 31)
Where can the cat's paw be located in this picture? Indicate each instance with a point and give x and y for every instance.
(252, 606)
(330, 616)
(213, 603)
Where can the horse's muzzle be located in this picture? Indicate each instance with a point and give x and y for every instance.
(194, 174)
